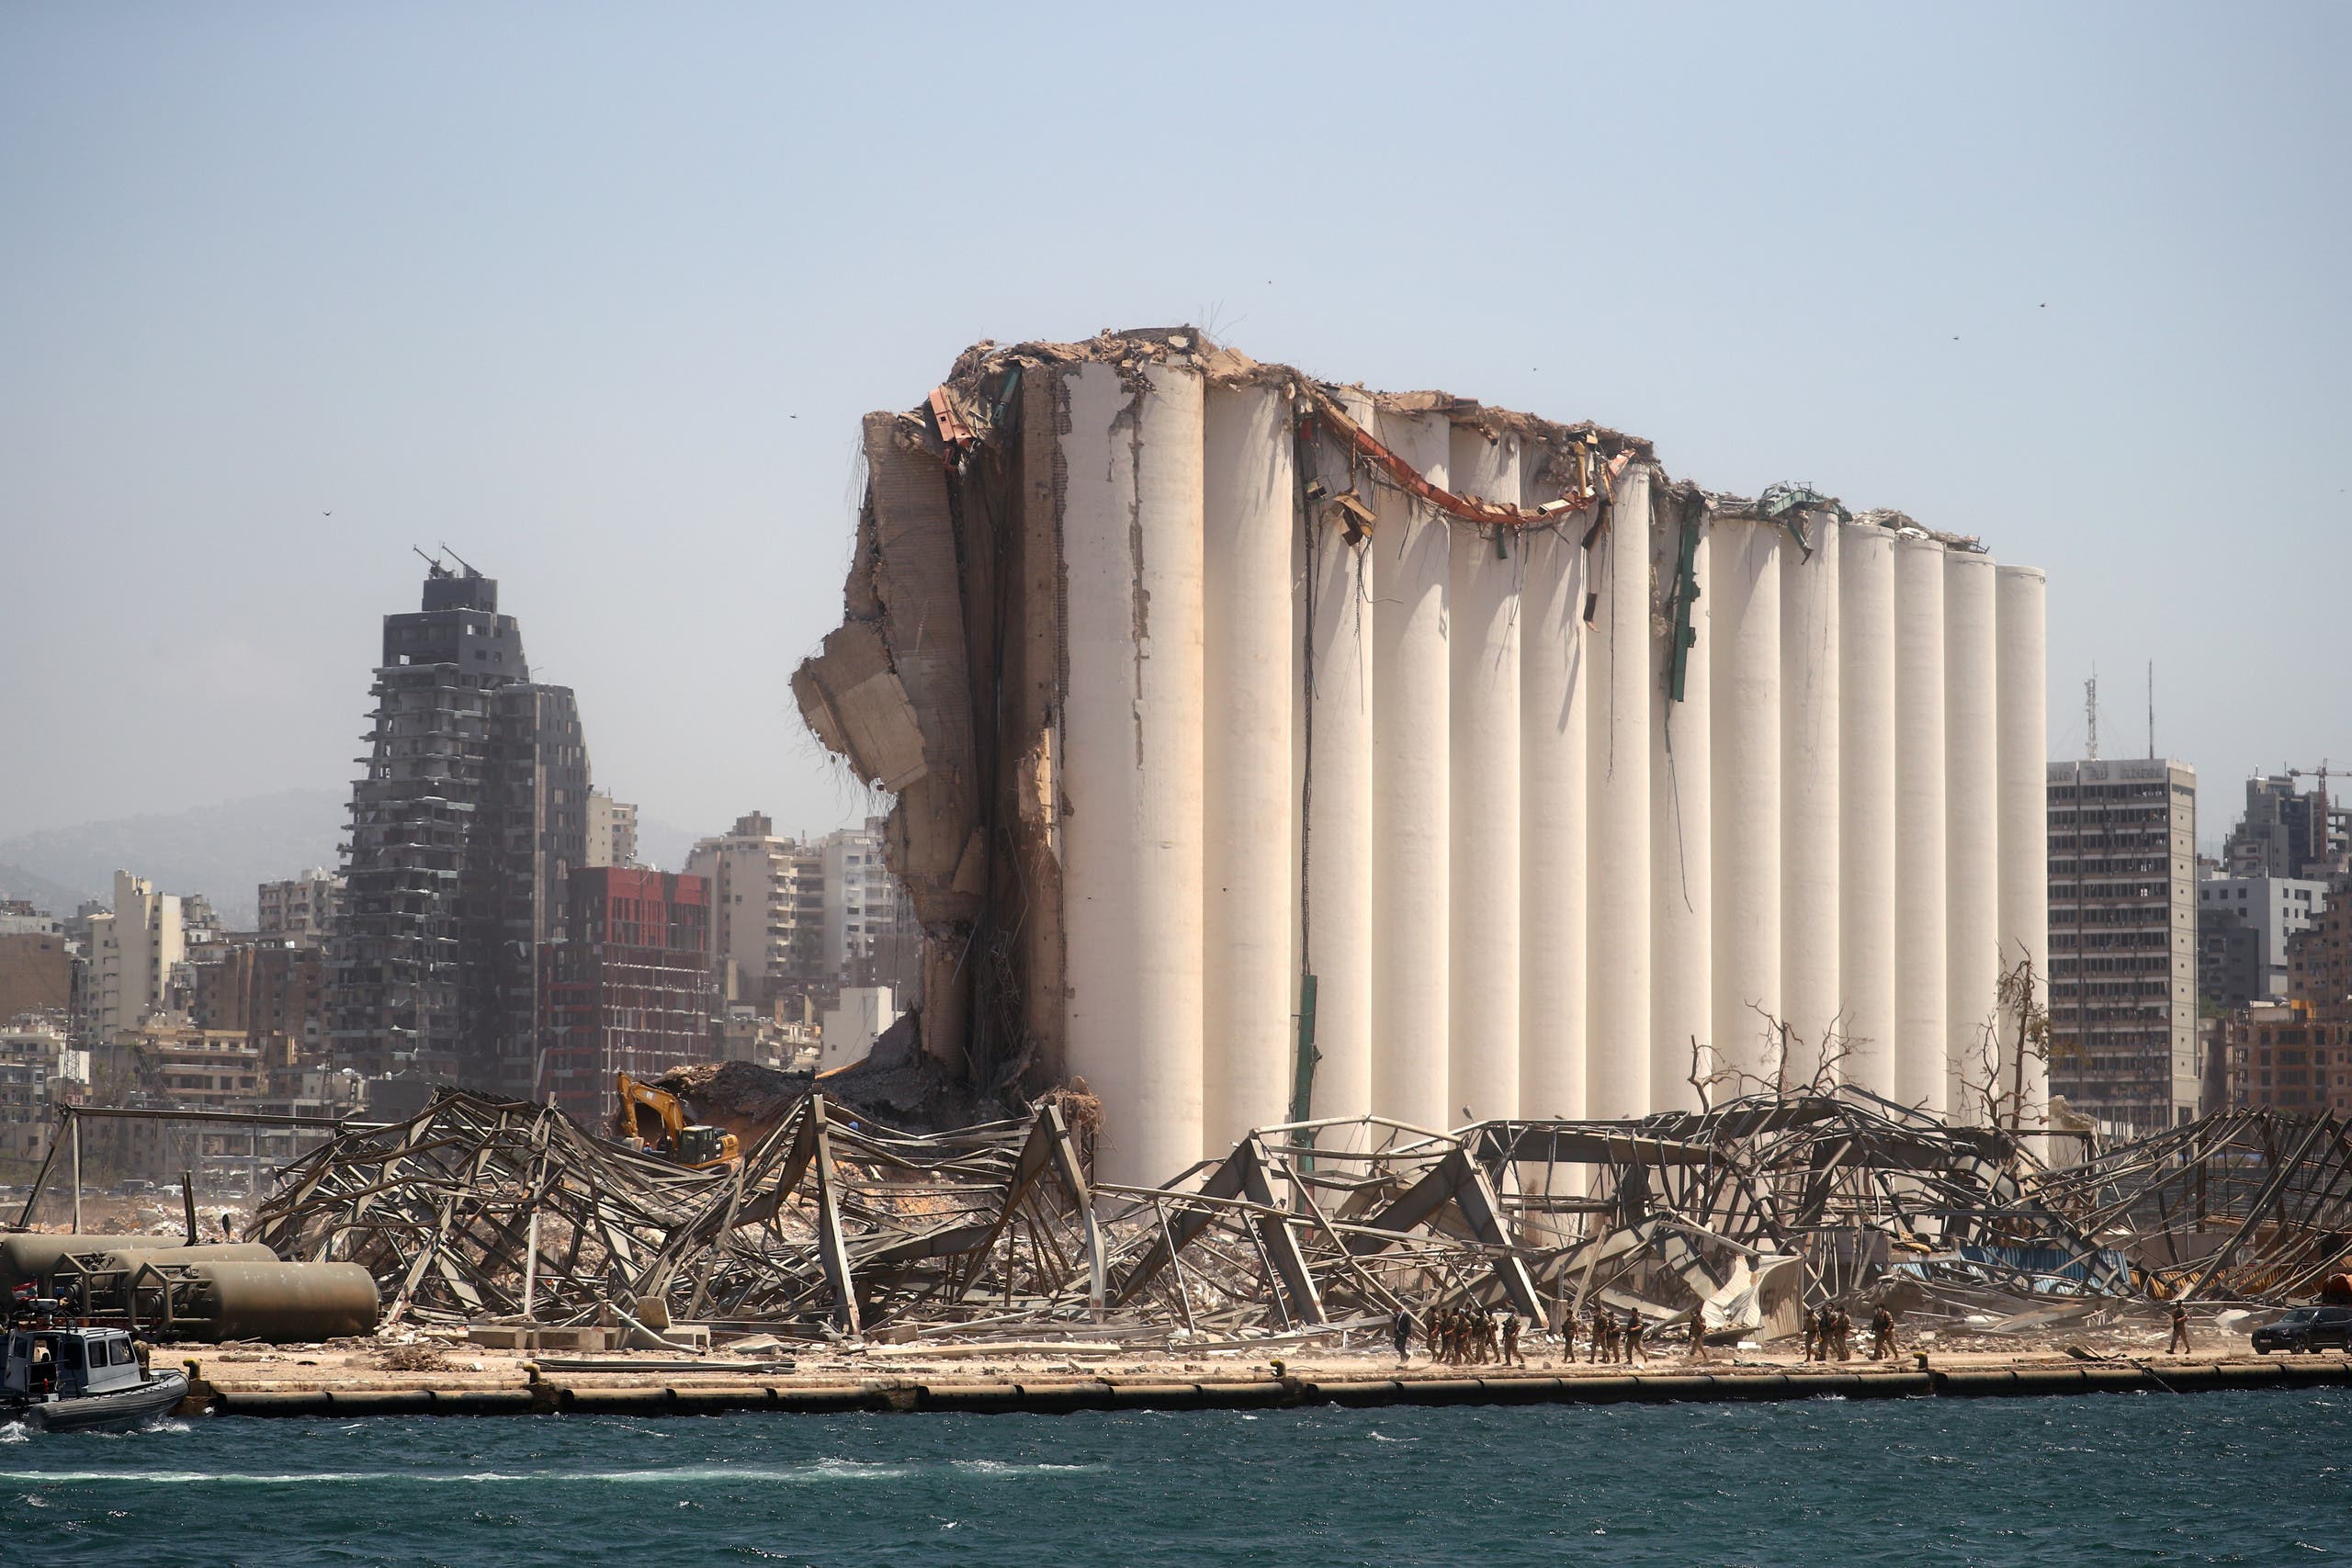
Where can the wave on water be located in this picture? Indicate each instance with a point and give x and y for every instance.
(830, 1470)
(1001, 1467)
(14, 1432)
(819, 1473)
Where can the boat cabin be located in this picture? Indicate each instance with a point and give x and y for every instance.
(67, 1364)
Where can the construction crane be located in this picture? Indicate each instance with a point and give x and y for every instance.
(669, 1134)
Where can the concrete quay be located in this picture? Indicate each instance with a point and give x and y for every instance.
(492, 1385)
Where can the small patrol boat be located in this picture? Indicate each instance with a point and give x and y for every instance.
(60, 1376)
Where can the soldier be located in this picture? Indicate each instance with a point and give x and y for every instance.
(1698, 1336)
(1490, 1344)
(1883, 1347)
(2179, 1346)
(1512, 1354)
(1809, 1325)
(1633, 1339)
(1844, 1332)
(1604, 1336)
(1401, 1331)
(1567, 1332)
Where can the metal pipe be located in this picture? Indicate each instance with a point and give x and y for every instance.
(77, 1176)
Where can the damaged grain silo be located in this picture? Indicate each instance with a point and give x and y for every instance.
(1268, 749)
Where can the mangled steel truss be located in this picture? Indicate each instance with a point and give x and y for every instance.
(1741, 1215)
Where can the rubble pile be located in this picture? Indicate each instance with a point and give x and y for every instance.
(1743, 1216)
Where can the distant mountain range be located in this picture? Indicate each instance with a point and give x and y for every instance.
(222, 851)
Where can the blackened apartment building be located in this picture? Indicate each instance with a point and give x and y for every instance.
(472, 812)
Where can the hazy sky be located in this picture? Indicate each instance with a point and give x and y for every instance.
(596, 293)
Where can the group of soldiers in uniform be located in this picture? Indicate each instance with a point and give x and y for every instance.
(1830, 1333)
(1607, 1337)
(1460, 1336)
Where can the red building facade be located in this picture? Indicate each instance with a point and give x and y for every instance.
(631, 988)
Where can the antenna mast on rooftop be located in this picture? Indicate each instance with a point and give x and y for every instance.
(2152, 710)
(2091, 713)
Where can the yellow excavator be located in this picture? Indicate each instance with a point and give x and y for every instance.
(655, 1121)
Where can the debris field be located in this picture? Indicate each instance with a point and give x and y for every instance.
(834, 1227)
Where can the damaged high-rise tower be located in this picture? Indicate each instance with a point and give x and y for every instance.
(472, 811)
(1266, 747)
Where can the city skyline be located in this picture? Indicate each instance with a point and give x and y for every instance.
(559, 334)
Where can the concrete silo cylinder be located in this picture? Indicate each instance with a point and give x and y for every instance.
(1920, 1006)
(1681, 827)
(1248, 974)
(1746, 621)
(1132, 764)
(1483, 807)
(1554, 677)
(1971, 835)
(1617, 769)
(1866, 803)
(1335, 790)
(1811, 873)
(2022, 634)
(1412, 677)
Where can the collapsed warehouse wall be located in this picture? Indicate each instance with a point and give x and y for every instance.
(1266, 748)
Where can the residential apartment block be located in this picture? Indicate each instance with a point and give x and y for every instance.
(2122, 941)
(629, 989)
(2244, 924)
(132, 949)
(767, 920)
(2283, 1057)
(303, 907)
(867, 911)
(2287, 831)
(612, 831)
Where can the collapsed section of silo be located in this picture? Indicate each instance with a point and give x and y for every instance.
(1270, 750)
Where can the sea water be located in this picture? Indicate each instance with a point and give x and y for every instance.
(2252, 1478)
